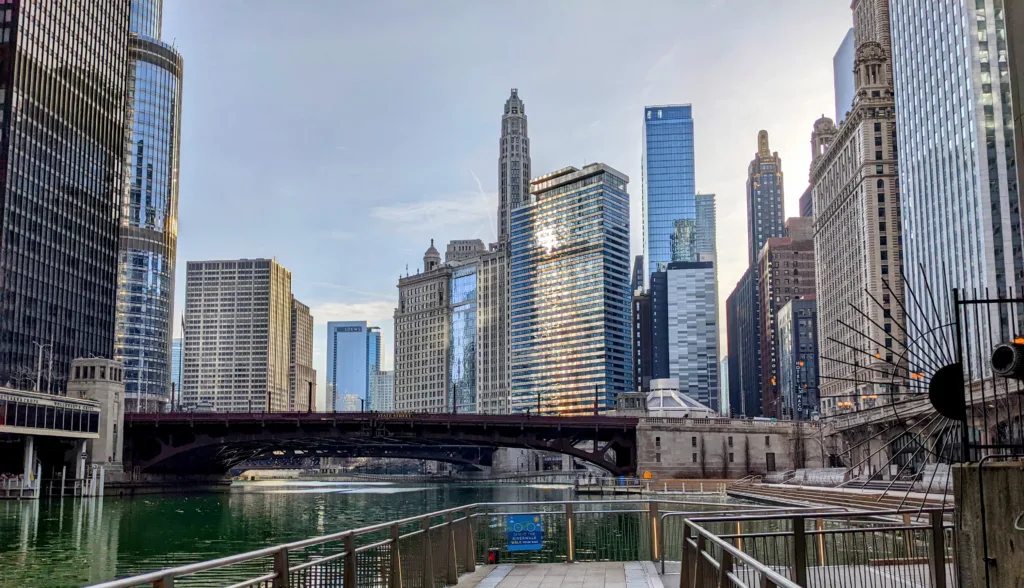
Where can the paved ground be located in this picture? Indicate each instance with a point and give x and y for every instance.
(578, 575)
(910, 576)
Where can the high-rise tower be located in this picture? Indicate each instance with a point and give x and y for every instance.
(765, 196)
(669, 210)
(149, 213)
(63, 93)
(513, 163)
(959, 194)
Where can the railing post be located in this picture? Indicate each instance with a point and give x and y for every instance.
(428, 557)
(799, 558)
(684, 564)
(470, 543)
(724, 569)
(652, 509)
(937, 557)
(349, 581)
(698, 561)
(165, 582)
(281, 569)
(451, 572)
(570, 533)
(395, 574)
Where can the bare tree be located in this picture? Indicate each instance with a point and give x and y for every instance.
(746, 455)
(799, 450)
(702, 456)
(725, 460)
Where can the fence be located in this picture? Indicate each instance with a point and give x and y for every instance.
(432, 550)
(818, 549)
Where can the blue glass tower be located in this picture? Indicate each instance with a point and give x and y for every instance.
(353, 357)
(149, 214)
(462, 338)
(570, 302)
(669, 208)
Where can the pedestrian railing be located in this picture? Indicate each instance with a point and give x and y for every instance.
(810, 549)
(434, 549)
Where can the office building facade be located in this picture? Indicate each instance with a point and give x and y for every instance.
(959, 204)
(353, 355)
(643, 341)
(723, 377)
(1014, 10)
(797, 328)
(743, 316)
(807, 203)
(63, 181)
(177, 351)
(570, 342)
(704, 246)
(513, 163)
(301, 375)
(422, 321)
(690, 302)
(462, 343)
(857, 240)
(669, 209)
(785, 271)
(149, 213)
(842, 76)
(382, 391)
(492, 388)
(237, 336)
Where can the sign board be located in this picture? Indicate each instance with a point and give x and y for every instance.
(647, 475)
(524, 532)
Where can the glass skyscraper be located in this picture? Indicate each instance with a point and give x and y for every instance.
(63, 96)
(462, 339)
(570, 306)
(149, 213)
(669, 210)
(353, 356)
(842, 77)
(177, 348)
(959, 203)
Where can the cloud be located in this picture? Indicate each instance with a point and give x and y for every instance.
(460, 208)
(376, 311)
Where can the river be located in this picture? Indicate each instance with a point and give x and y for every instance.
(74, 542)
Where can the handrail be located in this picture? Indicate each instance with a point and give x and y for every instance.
(193, 568)
(825, 515)
(768, 576)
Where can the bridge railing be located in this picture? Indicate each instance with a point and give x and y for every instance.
(434, 549)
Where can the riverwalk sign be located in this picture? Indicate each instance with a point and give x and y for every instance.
(524, 533)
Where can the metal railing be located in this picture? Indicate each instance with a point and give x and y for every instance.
(816, 549)
(434, 549)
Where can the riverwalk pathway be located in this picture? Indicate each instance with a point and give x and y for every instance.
(560, 575)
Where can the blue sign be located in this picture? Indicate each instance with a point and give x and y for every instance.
(524, 532)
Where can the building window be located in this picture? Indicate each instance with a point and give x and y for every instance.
(693, 441)
(694, 458)
(657, 457)
(657, 441)
(732, 457)
(767, 441)
(730, 441)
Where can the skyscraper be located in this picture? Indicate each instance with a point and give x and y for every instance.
(149, 213)
(743, 316)
(765, 196)
(857, 239)
(685, 314)
(842, 76)
(237, 335)
(513, 163)
(353, 355)
(959, 200)
(785, 271)
(570, 341)
(705, 248)
(63, 97)
(669, 210)
(643, 341)
(301, 375)
(1015, 43)
(177, 351)
(797, 323)
(382, 391)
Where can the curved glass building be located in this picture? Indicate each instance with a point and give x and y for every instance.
(149, 214)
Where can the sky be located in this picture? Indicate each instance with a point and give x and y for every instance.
(339, 137)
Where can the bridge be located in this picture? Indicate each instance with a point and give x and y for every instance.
(212, 443)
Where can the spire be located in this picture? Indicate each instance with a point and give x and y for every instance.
(762, 144)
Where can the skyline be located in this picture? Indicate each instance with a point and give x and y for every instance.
(348, 174)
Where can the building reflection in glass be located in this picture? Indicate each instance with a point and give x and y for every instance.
(462, 361)
(571, 335)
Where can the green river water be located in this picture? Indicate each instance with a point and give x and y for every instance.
(59, 543)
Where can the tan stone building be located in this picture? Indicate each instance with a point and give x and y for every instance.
(785, 271)
(857, 243)
(421, 337)
(301, 375)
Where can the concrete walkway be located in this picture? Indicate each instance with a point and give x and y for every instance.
(578, 575)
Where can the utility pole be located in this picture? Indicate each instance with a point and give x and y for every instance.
(49, 366)
(455, 402)
(538, 403)
(596, 401)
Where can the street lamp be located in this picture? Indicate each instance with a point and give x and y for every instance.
(39, 366)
